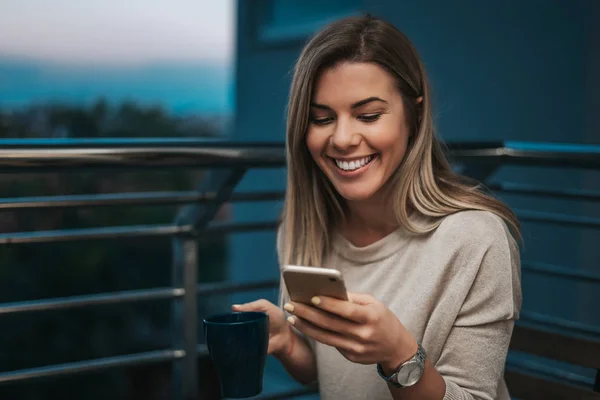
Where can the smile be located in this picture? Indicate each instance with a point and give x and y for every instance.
(355, 164)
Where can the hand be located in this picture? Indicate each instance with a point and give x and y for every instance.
(281, 336)
(362, 329)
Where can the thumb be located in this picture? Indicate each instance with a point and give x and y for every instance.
(258, 305)
(360, 298)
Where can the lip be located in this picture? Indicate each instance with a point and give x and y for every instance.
(356, 172)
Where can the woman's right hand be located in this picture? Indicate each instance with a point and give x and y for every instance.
(281, 336)
(285, 344)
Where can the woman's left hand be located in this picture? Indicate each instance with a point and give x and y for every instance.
(362, 329)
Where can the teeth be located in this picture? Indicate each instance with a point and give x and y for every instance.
(353, 165)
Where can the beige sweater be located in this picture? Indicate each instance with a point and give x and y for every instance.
(457, 290)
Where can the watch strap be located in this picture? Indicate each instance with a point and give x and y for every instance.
(419, 357)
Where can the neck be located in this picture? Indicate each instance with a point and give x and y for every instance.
(368, 221)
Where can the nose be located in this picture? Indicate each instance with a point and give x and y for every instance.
(344, 136)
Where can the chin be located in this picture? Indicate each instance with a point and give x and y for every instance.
(355, 195)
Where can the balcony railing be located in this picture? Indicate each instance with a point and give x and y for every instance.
(231, 160)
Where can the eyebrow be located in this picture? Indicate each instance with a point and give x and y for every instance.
(359, 103)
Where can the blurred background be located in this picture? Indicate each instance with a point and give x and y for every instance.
(511, 70)
(104, 69)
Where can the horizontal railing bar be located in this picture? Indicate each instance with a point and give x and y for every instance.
(126, 143)
(26, 154)
(563, 272)
(272, 195)
(61, 303)
(92, 233)
(209, 289)
(95, 200)
(547, 371)
(556, 218)
(129, 143)
(239, 227)
(150, 357)
(528, 154)
(532, 385)
(555, 345)
(129, 296)
(563, 325)
(223, 228)
(71, 159)
(121, 199)
(530, 147)
(545, 191)
(130, 231)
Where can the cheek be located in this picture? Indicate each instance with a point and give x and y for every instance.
(393, 139)
(397, 152)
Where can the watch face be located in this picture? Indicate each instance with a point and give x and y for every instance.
(410, 374)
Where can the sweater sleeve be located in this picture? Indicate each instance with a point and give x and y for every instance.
(473, 359)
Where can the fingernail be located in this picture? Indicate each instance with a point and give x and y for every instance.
(235, 306)
(288, 307)
(315, 300)
(291, 320)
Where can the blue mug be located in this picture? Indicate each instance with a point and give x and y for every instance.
(237, 343)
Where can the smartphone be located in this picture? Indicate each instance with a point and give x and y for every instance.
(303, 283)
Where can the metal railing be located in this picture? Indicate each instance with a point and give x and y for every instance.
(231, 161)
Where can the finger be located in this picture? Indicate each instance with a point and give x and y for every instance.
(319, 334)
(323, 319)
(360, 298)
(346, 309)
(258, 305)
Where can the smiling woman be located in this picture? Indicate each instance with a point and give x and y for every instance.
(431, 262)
(358, 131)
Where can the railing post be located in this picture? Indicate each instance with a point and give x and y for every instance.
(185, 318)
(185, 263)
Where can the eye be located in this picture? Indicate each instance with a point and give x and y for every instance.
(321, 121)
(369, 117)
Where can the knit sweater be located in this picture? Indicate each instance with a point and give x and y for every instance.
(456, 289)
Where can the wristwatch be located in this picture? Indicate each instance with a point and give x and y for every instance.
(409, 372)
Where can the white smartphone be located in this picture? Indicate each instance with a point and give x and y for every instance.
(303, 283)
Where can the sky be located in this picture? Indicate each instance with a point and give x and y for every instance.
(118, 32)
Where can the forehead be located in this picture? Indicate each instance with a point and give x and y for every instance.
(349, 82)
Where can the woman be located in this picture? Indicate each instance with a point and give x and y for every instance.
(429, 260)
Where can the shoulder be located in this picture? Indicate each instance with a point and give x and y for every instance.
(482, 240)
(487, 262)
(471, 237)
(474, 228)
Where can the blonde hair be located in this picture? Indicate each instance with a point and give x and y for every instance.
(424, 183)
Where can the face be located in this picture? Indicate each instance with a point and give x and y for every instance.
(358, 132)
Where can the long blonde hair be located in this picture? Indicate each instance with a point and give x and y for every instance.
(423, 183)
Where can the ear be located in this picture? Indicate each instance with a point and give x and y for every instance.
(419, 100)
